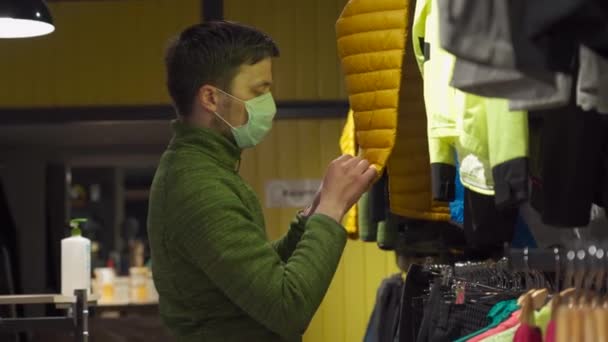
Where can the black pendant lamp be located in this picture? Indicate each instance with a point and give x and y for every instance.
(24, 18)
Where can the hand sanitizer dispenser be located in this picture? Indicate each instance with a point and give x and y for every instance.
(75, 261)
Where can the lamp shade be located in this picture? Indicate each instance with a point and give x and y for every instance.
(24, 18)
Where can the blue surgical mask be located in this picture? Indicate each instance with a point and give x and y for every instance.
(260, 111)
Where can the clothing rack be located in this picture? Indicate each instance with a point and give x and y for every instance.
(76, 320)
(544, 260)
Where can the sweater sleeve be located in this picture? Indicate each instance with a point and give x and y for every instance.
(287, 243)
(215, 230)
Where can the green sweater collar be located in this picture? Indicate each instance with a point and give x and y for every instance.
(207, 141)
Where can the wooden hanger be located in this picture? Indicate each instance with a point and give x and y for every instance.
(521, 298)
(526, 315)
(600, 318)
(562, 328)
(539, 298)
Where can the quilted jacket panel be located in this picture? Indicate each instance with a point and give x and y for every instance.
(385, 94)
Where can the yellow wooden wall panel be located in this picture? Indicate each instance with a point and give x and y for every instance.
(102, 53)
(267, 169)
(356, 313)
(308, 68)
(302, 148)
(111, 52)
(281, 28)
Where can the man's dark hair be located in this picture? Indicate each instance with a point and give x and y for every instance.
(211, 53)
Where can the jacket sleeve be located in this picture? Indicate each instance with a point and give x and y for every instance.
(216, 232)
(440, 121)
(419, 32)
(508, 152)
(287, 243)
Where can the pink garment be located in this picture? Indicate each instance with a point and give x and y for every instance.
(528, 333)
(512, 321)
(550, 332)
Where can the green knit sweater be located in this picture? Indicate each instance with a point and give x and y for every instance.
(218, 276)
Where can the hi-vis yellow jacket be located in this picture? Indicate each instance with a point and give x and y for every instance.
(490, 141)
(385, 94)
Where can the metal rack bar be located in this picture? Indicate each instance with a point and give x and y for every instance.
(76, 321)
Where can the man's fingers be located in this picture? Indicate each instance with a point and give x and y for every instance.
(351, 163)
(370, 174)
(362, 166)
(343, 158)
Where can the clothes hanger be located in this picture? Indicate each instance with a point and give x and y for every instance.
(588, 323)
(576, 322)
(600, 318)
(539, 298)
(562, 326)
(526, 315)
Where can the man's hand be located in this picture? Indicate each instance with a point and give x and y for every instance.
(346, 179)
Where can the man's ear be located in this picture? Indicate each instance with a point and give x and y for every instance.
(208, 98)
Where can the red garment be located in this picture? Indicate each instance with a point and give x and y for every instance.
(550, 332)
(512, 321)
(527, 333)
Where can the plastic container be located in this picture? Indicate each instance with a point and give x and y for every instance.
(104, 276)
(139, 284)
(75, 261)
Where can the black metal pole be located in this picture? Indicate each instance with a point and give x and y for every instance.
(212, 10)
(81, 316)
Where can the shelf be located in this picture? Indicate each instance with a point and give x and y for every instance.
(137, 195)
(42, 299)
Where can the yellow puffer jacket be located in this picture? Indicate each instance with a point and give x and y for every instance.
(348, 145)
(389, 120)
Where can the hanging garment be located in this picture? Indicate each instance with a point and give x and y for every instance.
(541, 319)
(371, 332)
(569, 155)
(421, 239)
(566, 24)
(504, 336)
(550, 335)
(592, 90)
(387, 235)
(559, 98)
(480, 34)
(493, 33)
(410, 157)
(491, 142)
(457, 205)
(384, 321)
(367, 230)
(417, 282)
(486, 228)
(522, 237)
(373, 67)
(528, 333)
(389, 123)
(509, 84)
(372, 212)
(348, 145)
(445, 321)
(512, 321)
(499, 313)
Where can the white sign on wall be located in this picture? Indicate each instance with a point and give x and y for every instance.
(291, 193)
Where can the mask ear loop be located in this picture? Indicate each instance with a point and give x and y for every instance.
(236, 98)
(224, 120)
